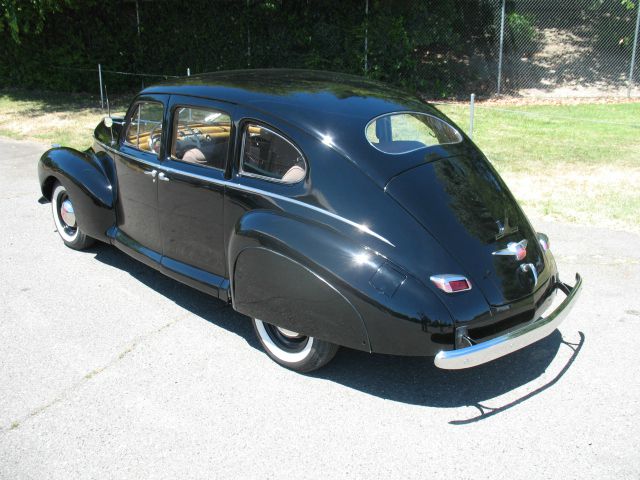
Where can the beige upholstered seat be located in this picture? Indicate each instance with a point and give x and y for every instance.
(194, 155)
(294, 174)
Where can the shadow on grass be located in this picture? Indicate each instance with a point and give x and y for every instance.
(411, 380)
(56, 102)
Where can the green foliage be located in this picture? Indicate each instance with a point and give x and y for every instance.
(522, 30)
(629, 4)
(57, 44)
(22, 17)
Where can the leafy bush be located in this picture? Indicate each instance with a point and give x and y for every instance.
(524, 35)
(421, 45)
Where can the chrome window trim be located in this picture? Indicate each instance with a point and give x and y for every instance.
(175, 115)
(262, 177)
(128, 124)
(411, 112)
(246, 188)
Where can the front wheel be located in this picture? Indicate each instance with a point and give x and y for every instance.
(293, 350)
(65, 219)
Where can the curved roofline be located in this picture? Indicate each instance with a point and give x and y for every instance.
(325, 105)
(289, 84)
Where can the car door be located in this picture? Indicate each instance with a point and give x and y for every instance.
(191, 190)
(137, 164)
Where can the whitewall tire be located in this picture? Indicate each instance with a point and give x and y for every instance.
(293, 350)
(64, 219)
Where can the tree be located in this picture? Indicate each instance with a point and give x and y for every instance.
(27, 16)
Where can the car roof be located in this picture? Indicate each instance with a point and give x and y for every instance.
(311, 99)
(326, 105)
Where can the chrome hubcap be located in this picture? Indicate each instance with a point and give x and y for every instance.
(67, 214)
(288, 333)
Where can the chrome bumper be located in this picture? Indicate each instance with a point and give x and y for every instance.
(515, 340)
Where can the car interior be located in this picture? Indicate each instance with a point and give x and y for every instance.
(201, 137)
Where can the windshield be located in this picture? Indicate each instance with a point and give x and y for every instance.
(405, 132)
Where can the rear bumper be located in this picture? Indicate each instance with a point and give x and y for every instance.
(515, 340)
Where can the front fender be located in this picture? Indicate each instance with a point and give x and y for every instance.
(310, 278)
(90, 180)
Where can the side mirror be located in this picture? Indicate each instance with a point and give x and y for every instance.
(108, 122)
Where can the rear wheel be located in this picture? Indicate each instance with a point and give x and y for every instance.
(64, 218)
(293, 350)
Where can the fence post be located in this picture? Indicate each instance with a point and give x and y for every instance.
(248, 36)
(472, 109)
(633, 52)
(138, 19)
(366, 36)
(100, 79)
(502, 14)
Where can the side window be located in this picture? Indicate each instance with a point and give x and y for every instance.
(267, 154)
(201, 136)
(145, 127)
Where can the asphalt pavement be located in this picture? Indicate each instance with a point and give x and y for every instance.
(108, 369)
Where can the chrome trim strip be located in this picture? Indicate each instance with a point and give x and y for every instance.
(510, 342)
(245, 188)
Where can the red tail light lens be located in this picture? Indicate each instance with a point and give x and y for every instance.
(459, 285)
(451, 283)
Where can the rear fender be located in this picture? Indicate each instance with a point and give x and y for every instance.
(90, 180)
(310, 278)
(290, 273)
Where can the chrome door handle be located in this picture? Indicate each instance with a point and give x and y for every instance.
(153, 173)
(163, 177)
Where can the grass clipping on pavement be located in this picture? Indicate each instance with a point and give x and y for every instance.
(578, 163)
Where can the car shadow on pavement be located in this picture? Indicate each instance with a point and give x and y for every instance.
(198, 303)
(417, 381)
(411, 380)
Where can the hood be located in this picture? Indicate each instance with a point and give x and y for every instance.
(464, 204)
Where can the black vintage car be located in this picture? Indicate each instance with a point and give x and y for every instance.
(330, 209)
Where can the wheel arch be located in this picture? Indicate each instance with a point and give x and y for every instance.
(278, 275)
(90, 180)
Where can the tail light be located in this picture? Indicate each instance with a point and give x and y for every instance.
(451, 283)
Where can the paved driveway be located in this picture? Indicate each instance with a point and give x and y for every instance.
(110, 370)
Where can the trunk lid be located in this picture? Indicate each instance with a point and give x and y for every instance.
(464, 204)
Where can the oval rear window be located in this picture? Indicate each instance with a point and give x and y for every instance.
(404, 132)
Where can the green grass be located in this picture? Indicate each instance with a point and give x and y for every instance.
(577, 163)
(52, 117)
(549, 135)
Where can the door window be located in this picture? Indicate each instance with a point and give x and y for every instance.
(201, 136)
(268, 155)
(145, 127)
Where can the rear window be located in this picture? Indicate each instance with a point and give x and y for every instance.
(405, 132)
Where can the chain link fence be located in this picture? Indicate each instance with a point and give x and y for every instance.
(443, 49)
(568, 48)
(534, 48)
(540, 48)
